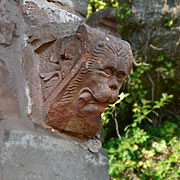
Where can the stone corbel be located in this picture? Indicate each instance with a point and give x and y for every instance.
(74, 71)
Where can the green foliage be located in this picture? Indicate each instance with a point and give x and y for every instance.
(143, 152)
(148, 142)
(168, 22)
(96, 5)
(139, 155)
(166, 70)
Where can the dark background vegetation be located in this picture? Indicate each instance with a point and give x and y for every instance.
(142, 129)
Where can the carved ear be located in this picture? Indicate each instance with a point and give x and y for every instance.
(82, 33)
(82, 29)
(69, 49)
(76, 45)
(79, 36)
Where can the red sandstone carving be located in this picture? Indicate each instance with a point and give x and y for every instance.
(73, 78)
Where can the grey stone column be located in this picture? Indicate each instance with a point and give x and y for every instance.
(28, 151)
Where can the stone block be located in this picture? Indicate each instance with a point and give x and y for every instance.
(105, 20)
(74, 6)
(81, 6)
(31, 156)
(67, 78)
(38, 12)
(6, 32)
(8, 101)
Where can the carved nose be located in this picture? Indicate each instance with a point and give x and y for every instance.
(113, 84)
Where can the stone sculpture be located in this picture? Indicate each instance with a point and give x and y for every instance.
(74, 77)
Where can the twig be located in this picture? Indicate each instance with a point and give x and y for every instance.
(139, 64)
(156, 48)
(116, 123)
(152, 86)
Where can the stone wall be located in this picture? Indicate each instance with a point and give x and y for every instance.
(27, 150)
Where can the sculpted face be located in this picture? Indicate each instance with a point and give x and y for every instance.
(93, 82)
(76, 77)
(101, 87)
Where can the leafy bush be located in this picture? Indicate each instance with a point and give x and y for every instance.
(144, 151)
(141, 156)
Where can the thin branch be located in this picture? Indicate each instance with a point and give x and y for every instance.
(156, 48)
(152, 86)
(116, 123)
(139, 64)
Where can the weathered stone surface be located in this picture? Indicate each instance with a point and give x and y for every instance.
(75, 6)
(74, 77)
(148, 31)
(81, 6)
(38, 12)
(29, 156)
(105, 20)
(6, 32)
(8, 101)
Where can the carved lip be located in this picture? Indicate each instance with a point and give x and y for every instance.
(91, 99)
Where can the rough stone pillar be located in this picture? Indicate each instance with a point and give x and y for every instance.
(41, 136)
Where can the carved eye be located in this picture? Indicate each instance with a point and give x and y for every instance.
(105, 72)
(108, 72)
(121, 76)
